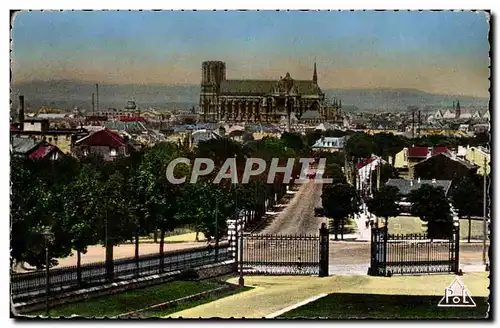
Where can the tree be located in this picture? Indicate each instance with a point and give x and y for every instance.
(162, 197)
(334, 172)
(34, 209)
(112, 214)
(295, 141)
(385, 203)
(389, 144)
(467, 199)
(77, 212)
(360, 145)
(387, 172)
(431, 205)
(339, 202)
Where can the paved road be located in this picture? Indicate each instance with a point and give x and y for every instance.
(297, 218)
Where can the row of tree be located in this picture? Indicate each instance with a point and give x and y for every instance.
(91, 202)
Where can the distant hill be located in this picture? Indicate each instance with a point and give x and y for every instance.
(70, 94)
(400, 99)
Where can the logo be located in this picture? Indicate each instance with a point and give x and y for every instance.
(456, 295)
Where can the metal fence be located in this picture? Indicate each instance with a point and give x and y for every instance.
(25, 285)
(413, 254)
(281, 254)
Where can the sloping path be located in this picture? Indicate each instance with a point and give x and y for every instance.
(297, 218)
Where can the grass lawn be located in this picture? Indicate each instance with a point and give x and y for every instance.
(131, 300)
(274, 293)
(373, 306)
(167, 312)
(410, 224)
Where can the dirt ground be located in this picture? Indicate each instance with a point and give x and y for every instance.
(97, 253)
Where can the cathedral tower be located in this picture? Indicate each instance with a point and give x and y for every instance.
(213, 72)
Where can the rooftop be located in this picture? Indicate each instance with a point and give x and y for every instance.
(406, 186)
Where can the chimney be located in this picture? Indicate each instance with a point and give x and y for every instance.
(433, 180)
(21, 111)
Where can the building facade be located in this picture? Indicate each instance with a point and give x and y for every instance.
(259, 100)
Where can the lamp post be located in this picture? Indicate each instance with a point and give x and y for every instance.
(485, 213)
(239, 229)
(456, 231)
(48, 236)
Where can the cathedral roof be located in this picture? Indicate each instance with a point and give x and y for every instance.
(310, 115)
(264, 87)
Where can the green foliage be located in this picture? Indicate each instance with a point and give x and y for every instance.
(296, 142)
(339, 202)
(430, 204)
(467, 199)
(360, 145)
(389, 144)
(385, 202)
(387, 172)
(334, 172)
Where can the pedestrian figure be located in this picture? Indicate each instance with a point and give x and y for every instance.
(371, 224)
(367, 223)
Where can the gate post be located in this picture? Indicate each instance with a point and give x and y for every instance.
(456, 235)
(323, 250)
(378, 250)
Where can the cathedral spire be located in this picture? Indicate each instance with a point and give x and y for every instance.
(315, 74)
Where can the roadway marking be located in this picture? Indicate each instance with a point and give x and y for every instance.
(294, 306)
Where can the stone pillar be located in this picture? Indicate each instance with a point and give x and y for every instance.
(236, 110)
(222, 112)
(229, 115)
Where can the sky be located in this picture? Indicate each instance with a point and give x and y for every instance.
(438, 52)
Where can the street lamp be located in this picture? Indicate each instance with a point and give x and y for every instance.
(48, 237)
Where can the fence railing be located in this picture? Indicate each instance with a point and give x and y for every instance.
(24, 285)
(281, 254)
(412, 254)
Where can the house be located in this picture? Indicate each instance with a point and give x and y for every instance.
(408, 157)
(331, 144)
(465, 113)
(478, 156)
(438, 115)
(203, 135)
(364, 171)
(449, 115)
(34, 149)
(36, 125)
(481, 127)
(53, 116)
(407, 186)
(444, 166)
(463, 127)
(486, 115)
(64, 139)
(476, 115)
(105, 143)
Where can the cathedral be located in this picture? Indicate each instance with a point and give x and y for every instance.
(264, 101)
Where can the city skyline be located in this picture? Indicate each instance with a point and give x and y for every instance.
(436, 52)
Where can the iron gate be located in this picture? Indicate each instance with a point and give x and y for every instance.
(413, 254)
(286, 254)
